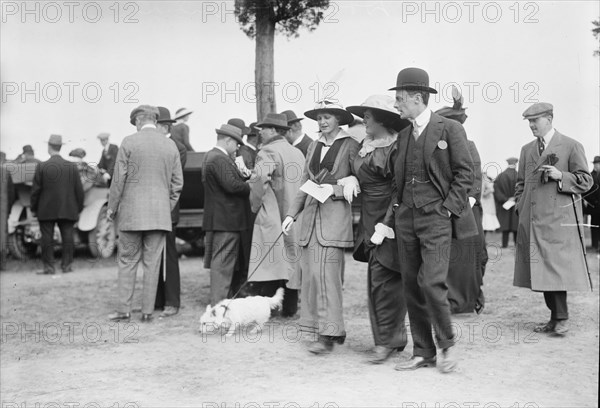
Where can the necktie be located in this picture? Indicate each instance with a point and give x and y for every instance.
(541, 145)
(415, 132)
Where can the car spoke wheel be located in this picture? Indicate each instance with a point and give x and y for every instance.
(18, 247)
(102, 239)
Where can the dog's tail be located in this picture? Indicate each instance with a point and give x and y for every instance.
(276, 300)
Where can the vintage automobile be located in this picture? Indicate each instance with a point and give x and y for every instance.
(93, 229)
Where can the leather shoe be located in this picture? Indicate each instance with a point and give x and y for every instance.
(561, 328)
(118, 316)
(545, 327)
(447, 363)
(169, 311)
(380, 354)
(415, 362)
(146, 317)
(320, 347)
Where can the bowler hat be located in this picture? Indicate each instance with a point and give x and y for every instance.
(274, 120)
(413, 79)
(291, 117)
(231, 131)
(596, 159)
(55, 140)
(164, 116)
(140, 110)
(538, 110)
(78, 152)
(512, 160)
(332, 108)
(240, 124)
(384, 106)
(28, 149)
(182, 112)
(103, 136)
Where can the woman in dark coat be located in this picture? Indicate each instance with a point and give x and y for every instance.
(374, 169)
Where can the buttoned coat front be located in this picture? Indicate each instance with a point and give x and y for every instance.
(146, 182)
(549, 255)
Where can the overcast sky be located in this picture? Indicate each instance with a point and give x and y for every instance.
(79, 70)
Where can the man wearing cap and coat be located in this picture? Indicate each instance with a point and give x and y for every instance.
(549, 258)
(146, 185)
(296, 136)
(274, 184)
(504, 191)
(226, 213)
(56, 198)
(106, 165)
(433, 175)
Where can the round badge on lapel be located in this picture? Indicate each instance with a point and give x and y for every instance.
(442, 144)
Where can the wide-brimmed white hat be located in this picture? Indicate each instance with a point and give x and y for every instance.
(330, 107)
(384, 106)
(182, 112)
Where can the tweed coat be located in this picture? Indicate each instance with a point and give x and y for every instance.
(146, 183)
(57, 192)
(549, 255)
(273, 187)
(332, 220)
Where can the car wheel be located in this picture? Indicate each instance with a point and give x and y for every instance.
(102, 239)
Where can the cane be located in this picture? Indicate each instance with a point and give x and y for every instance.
(582, 243)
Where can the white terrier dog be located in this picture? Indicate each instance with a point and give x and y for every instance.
(234, 313)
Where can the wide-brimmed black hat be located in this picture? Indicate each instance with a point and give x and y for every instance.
(164, 116)
(333, 108)
(384, 106)
(413, 79)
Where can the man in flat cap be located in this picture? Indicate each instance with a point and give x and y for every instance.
(146, 185)
(431, 206)
(295, 135)
(56, 198)
(549, 258)
(181, 131)
(27, 156)
(504, 199)
(226, 213)
(106, 165)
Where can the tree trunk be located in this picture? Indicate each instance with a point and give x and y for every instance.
(264, 65)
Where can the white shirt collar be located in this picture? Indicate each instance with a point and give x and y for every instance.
(421, 121)
(341, 134)
(250, 146)
(221, 149)
(149, 126)
(297, 141)
(548, 136)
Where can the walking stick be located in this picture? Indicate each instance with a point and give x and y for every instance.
(587, 268)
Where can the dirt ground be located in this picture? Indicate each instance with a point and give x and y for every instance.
(58, 349)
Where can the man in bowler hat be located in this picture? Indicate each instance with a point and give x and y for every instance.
(56, 198)
(433, 176)
(550, 257)
(145, 188)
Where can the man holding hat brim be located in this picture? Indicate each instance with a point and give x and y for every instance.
(168, 292)
(273, 187)
(295, 135)
(56, 198)
(145, 188)
(504, 195)
(226, 214)
(181, 131)
(246, 151)
(431, 206)
(27, 156)
(106, 165)
(550, 257)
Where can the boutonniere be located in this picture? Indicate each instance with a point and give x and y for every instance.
(442, 144)
(551, 160)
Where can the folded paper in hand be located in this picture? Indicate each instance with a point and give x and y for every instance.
(508, 205)
(316, 191)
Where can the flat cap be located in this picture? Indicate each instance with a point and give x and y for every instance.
(537, 110)
(143, 109)
(512, 160)
(103, 136)
(78, 152)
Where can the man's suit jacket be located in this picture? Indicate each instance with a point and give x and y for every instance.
(146, 183)
(249, 155)
(108, 159)
(57, 192)
(450, 169)
(226, 194)
(183, 159)
(304, 144)
(181, 133)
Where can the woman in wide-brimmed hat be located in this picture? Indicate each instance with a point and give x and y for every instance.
(325, 227)
(376, 243)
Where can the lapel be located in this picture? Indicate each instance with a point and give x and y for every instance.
(433, 133)
(402, 151)
(552, 147)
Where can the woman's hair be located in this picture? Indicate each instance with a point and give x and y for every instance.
(383, 120)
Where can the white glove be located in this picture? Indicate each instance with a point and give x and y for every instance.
(377, 238)
(472, 201)
(239, 161)
(384, 230)
(328, 188)
(351, 187)
(105, 177)
(286, 225)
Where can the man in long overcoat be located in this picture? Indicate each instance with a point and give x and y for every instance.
(504, 191)
(553, 173)
(273, 187)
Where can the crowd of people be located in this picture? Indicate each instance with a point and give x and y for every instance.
(278, 214)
